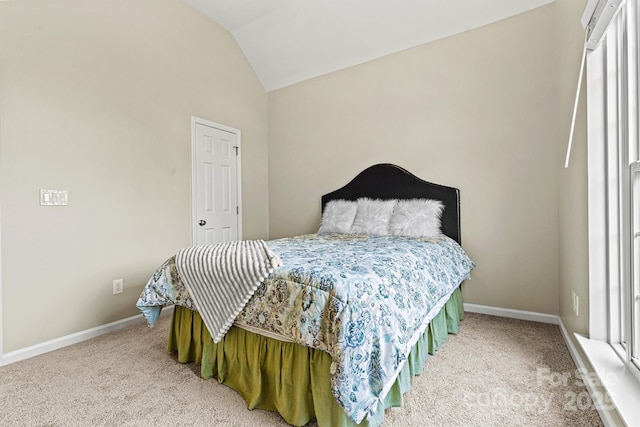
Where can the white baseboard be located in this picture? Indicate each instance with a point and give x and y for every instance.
(57, 343)
(605, 416)
(45, 347)
(511, 313)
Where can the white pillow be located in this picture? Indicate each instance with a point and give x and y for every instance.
(417, 218)
(338, 217)
(373, 216)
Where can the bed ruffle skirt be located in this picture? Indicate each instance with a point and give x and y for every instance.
(291, 379)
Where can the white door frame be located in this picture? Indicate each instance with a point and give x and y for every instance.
(194, 195)
(1, 311)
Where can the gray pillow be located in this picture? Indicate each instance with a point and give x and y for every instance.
(373, 217)
(417, 218)
(338, 217)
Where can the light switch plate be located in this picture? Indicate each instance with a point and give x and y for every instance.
(54, 197)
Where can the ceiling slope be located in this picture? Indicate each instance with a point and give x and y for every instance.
(287, 41)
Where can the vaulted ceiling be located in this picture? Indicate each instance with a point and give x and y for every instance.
(287, 41)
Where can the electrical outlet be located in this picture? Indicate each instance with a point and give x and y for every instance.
(576, 303)
(118, 286)
(54, 197)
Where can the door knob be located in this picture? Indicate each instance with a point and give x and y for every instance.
(202, 223)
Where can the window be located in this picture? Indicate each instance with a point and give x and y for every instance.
(619, 51)
(634, 345)
(614, 188)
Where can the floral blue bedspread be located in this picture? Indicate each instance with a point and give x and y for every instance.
(363, 299)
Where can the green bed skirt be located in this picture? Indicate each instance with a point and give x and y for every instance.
(288, 378)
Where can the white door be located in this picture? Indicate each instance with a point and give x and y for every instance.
(216, 183)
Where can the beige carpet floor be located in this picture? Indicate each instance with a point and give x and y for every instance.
(496, 372)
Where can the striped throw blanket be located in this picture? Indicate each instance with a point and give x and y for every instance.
(222, 277)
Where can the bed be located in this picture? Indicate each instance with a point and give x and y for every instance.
(336, 333)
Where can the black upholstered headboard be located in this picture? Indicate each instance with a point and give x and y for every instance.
(387, 181)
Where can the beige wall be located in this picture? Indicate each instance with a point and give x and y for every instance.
(476, 111)
(96, 99)
(573, 235)
(573, 189)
